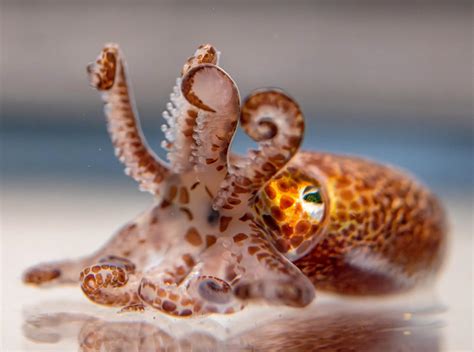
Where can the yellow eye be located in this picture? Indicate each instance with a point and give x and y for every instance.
(313, 202)
(292, 209)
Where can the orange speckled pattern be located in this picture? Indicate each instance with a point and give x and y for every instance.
(385, 231)
(286, 215)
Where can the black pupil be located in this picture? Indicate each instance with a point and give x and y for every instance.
(313, 197)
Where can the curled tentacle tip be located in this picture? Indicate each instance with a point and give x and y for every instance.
(266, 112)
(209, 88)
(205, 54)
(102, 72)
(274, 120)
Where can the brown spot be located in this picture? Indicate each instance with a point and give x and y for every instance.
(347, 194)
(282, 245)
(194, 185)
(271, 193)
(261, 256)
(286, 202)
(314, 228)
(183, 196)
(172, 193)
(340, 205)
(342, 216)
(189, 260)
(188, 133)
(293, 186)
(270, 222)
(277, 213)
(154, 220)
(246, 217)
(242, 291)
(234, 201)
(294, 141)
(287, 230)
(245, 181)
(296, 241)
(186, 301)
(169, 306)
(185, 313)
(302, 227)
(89, 284)
(343, 182)
(239, 189)
(240, 237)
(165, 204)
(210, 240)
(224, 223)
(174, 297)
(187, 212)
(364, 200)
(269, 167)
(180, 271)
(283, 186)
(252, 250)
(193, 237)
(211, 161)
(192, 113)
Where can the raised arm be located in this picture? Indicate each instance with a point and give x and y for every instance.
(108, 75)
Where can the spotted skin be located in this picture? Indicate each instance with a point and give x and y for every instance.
(385, 232)
(270, 226)
(295, 225)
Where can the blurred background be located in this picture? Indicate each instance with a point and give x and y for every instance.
(389, 80)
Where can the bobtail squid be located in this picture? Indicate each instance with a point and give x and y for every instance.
(271, 226)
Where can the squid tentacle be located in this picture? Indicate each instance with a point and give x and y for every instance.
(253, 269)
(108, 75)
(186, 289)
(276, 280)
(274, 120)
(203, 94)
(111, 283)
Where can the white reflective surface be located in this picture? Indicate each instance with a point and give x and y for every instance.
(46, 221)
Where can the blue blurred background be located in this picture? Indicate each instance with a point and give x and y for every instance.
(389, 80)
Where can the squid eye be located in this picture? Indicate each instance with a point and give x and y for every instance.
(313, 197)
(313, 202)
(312, 194)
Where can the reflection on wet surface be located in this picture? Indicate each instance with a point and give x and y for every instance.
(325, 327)
(95, 334)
